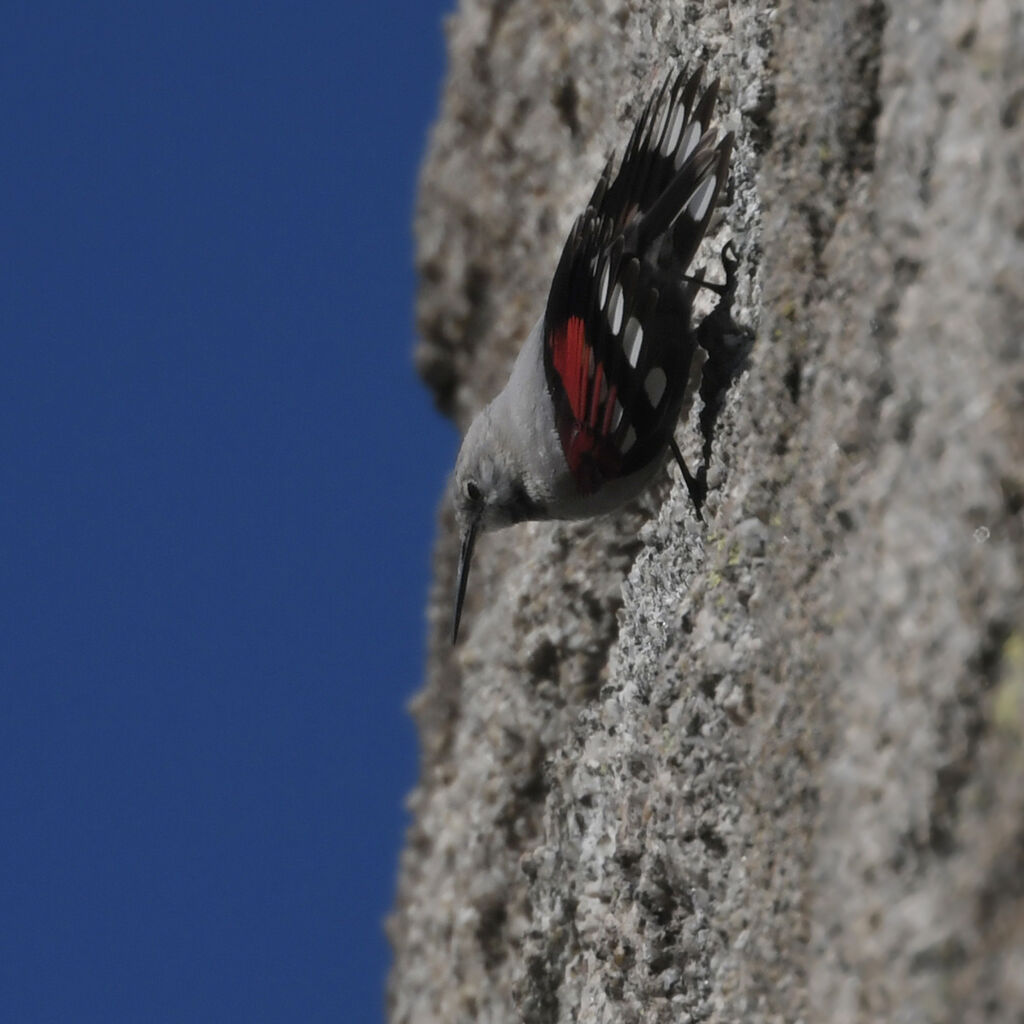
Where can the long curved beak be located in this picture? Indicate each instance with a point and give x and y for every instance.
(466, 556)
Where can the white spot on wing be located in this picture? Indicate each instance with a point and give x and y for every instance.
(655, 385)
(701, 198)
(690, 140)
(659, 124)
(633, 340)
(615, 306)
(603, 288)
(617, 415)
(629, 440)
(675, 127)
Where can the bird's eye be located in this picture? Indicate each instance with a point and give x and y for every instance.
(473, 492)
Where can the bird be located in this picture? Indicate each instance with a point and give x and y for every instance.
(589, 411)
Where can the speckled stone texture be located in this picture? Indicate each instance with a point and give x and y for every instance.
(770, 768)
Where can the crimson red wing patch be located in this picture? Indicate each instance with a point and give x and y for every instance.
(585, 428)
(571, 357)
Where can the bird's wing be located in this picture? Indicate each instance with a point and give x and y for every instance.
(616, 334)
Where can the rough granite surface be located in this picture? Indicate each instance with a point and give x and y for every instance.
(770, 768)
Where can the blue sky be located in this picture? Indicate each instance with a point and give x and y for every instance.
(219, 482)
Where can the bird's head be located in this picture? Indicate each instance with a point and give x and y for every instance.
(490, 490)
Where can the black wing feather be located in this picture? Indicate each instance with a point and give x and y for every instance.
(631, 248)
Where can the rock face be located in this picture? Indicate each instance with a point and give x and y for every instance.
(771, 768)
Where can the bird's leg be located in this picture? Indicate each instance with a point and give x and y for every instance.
(697, 489)
(725, 341)
(726, 290)
(698, 282)
(727, 345)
